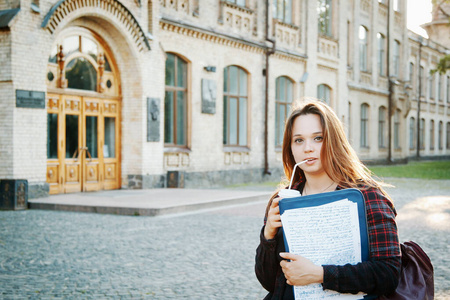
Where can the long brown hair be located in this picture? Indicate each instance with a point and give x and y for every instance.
(339, 159)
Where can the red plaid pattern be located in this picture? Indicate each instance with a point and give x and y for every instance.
(378, 276)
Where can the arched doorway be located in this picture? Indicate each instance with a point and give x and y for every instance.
(83, 114)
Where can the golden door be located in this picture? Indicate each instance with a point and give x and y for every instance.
(83, 143)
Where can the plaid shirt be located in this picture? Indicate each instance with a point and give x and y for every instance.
(378, 276)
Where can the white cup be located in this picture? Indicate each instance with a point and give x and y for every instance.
(288, 193)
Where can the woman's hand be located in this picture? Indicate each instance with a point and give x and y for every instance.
(300, 270)
(273, 220)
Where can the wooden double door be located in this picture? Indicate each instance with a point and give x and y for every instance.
(83, 143)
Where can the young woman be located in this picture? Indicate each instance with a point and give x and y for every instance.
(314, 132)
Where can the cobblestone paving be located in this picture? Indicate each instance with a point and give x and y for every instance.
(205, 255)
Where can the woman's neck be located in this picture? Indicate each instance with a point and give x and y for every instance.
(318, 184)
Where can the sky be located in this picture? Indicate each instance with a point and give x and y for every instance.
(419, 12)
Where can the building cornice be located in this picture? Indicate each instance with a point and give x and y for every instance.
(371, 90)
(221, 38)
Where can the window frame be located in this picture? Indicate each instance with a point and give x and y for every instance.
(364, 122)
(448, 89)
(285, 103)
(396, 59)
(235, 2)
(324, 90)
(287, 13)
(381, 52)
(382, 127)
(432, 139)
(412, 133)
(397, 129)
(227, 95)
(325, 18)
(363, 48)
(175, 89)
(422, 83)
(447, 146)
(422, 133)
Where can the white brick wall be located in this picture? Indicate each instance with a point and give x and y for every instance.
(204, 39)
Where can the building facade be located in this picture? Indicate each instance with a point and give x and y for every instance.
(109, 94)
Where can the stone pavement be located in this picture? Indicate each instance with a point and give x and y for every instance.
(150, 202)
(206, 254)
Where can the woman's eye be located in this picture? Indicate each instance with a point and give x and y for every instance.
(318, 138)
(298, 141)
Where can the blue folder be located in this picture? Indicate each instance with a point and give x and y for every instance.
(353, 195)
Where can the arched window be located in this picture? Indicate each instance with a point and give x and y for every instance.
(235, 102)
(412, 133)
(283, 100)
(363, 48)
(382, 127)
(324, 93)
(364, 139)
(175, 102)
(85, 64)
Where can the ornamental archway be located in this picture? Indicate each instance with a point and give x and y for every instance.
(83, 114)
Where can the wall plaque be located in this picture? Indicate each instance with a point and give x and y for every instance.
(30, 99)
(153, 119)
(209, 95)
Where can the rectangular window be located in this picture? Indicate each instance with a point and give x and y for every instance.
(448, 136)
(397, 129)
(422, 134)
(431, 86)
(283, 99)
(324, 12)
(439, 80)
(422, 83)
(396, 5)
(440, 135)
(364, 126)
(238, 2)
(282, 10)
(91, 136)
(381, 59)
(363, 48)
(432, 135)
(109, 148)
(235, 107)
(382, 127)
(71, 135)
(448, 89)
(396, 59)
(175, 102)
(412, 133)
(52, 135)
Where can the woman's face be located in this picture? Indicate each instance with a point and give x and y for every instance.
(306, 143)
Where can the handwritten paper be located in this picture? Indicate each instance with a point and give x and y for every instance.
(325, 234)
